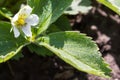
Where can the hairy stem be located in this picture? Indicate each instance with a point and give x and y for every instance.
(10, 68)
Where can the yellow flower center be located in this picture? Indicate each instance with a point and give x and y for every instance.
(21, 20)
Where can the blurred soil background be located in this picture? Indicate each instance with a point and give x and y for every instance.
(102, 24)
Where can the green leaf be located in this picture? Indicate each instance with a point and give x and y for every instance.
(17, 56)
(1, 2)
(40, 50)
(53, 28)
(82, 6)
(77, 50)
(61, 24)
(48, 11)
(112, 4)
(9, 46)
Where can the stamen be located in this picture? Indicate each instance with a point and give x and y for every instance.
(21, 20)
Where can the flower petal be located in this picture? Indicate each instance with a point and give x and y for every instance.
(26, 10)
(27, 30)
(15, 18)
(33, 19)
(22, 5)
(16, 32)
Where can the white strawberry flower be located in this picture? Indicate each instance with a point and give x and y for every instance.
(23, 21)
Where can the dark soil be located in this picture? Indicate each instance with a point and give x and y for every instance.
(100, 23)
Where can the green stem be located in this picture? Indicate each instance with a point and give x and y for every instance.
(10, 68)
(5, 15)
